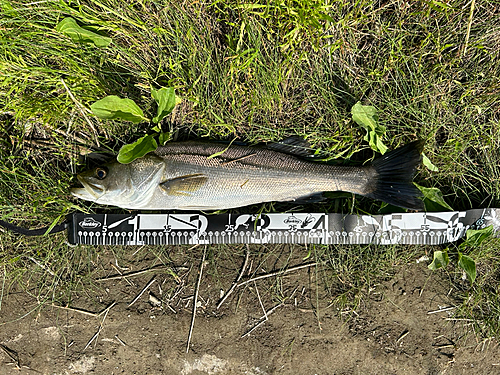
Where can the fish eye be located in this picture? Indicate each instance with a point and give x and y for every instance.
(101, 173)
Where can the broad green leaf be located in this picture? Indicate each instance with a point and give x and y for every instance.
(468, 265)
(433, 199)
(69, 27)
(428, 164)
(164, 138)
(366, 116)
(139, 148)
(475, 237)
(440, 260)
(166, 100)
(113, 107)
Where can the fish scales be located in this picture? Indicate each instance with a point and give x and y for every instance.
(253, 175)
(210, 176)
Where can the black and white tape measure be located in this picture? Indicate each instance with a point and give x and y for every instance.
(302, 228)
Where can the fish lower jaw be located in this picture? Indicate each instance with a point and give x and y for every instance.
(84, 194)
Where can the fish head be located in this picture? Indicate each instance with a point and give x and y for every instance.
(123, 185)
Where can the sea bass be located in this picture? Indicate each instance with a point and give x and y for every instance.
(197, 175)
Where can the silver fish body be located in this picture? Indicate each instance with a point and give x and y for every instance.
(188, 176)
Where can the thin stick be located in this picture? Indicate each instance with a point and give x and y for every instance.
(260, 301)
(3, 286)
(441, 310)
(132, 274)
(469, 24)
(235, 160)
(121, 274)
(460, 320)
(101, 325)
(14, 356)
(120, 340)
(41, 266)
(68, 135)
(93, 338)
(196, 299)
(235, 283)
(402, 336)
(281, 272)
(142, 291)
(106, 310)
(80, 107)
(85, 312)
(263, 319)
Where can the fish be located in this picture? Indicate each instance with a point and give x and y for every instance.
(197, 175)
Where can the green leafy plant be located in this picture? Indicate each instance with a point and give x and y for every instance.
(78, 34)
(433, 199)
(468, 265)
(113, 107)
(474, 237)
(428, 164)
(139, 148)
(440, 260)
(366, 116)
(166, 100)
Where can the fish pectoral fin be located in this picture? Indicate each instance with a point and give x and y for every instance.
(183, 185)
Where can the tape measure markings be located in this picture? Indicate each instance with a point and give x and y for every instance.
(175, 229)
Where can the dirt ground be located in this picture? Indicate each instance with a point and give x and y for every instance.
(395, 330)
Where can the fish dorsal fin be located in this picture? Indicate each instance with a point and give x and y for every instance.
(293, 145)
(184, 185)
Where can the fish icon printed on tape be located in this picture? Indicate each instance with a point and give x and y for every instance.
(252, 222)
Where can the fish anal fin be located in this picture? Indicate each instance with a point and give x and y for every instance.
(184, 185)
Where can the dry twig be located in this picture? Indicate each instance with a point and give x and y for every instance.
(81, 311)
(235, 283)
(196, 299)
(469, 24)
(263, 319)
(142, 291)
(101, 325)
(82, 111)
(280, 272)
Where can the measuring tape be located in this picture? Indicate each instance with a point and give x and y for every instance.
(432, 228)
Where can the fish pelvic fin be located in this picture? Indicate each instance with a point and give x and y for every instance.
(184, 185)
(394, 173)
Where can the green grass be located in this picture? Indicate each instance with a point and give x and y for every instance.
(259, 74)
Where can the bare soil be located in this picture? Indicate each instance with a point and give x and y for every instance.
(395, 330)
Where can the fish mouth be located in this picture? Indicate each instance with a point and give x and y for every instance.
(88, 188)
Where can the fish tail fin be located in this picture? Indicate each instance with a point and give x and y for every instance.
(394, 173)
